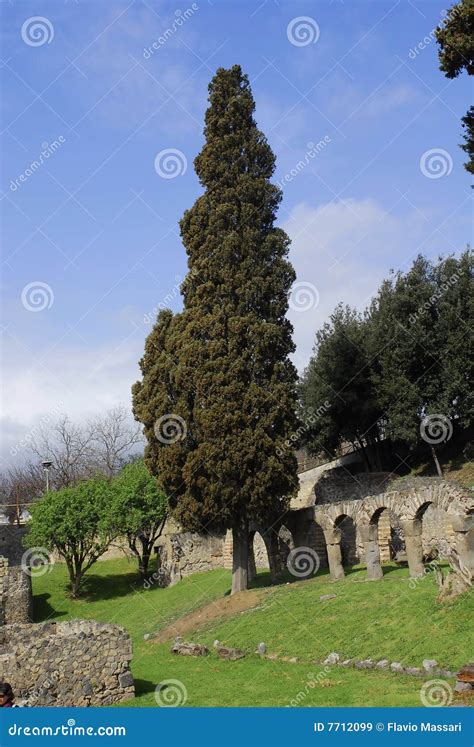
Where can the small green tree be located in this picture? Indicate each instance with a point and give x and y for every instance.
(76, 522)
(140, 508)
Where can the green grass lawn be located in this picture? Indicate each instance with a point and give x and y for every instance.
(386, 619)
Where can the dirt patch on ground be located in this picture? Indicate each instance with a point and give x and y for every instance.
(215, 611)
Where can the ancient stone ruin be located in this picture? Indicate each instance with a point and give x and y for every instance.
(339, 519)
(74, 663)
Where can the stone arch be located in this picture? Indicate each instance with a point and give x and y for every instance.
(387, 531)
(258, 553)
(348, 532)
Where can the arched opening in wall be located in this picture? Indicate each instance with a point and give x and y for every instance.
(389, 535)
(436, 531)
(317, 542)
(347, 527)
(258, 556)
(286, 543)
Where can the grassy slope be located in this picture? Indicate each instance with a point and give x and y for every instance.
(381, 619)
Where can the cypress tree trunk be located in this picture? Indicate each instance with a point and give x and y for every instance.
(240, 555)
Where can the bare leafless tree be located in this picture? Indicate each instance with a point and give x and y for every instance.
(20, 486)
(69, 447)
(114, 436)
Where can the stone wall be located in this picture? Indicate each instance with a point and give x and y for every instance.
(339, 485)
(182, 553)
(75, 663)
(16, 596)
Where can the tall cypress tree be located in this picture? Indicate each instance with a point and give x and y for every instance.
(222, 364)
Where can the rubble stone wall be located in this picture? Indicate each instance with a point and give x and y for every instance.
(74, 663)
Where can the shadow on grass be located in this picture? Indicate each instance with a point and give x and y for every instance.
(143, 687)
(97, 588)
(42, 609)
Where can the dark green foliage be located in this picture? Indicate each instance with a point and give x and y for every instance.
(339, 375)
(456, 40)
(222, 364)
(140, 510)
(456, 53)
(78, 523)
(468, 145)
(410, 357)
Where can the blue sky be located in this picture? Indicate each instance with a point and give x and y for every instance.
(90, 236)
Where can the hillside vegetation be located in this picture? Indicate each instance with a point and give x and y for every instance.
(394, 619)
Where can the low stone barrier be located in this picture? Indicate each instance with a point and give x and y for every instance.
(73, 663)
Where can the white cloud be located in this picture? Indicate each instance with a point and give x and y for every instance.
(345, 249)
(79, 382)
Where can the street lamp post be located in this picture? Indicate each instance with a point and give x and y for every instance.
(46, 467)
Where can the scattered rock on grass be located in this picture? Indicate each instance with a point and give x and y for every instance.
(395, 666)
(231, 654)
(333, 658)
(189, 649)
(323, 597)
(429, 665)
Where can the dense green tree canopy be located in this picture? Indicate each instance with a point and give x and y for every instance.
(221, 367)
(339, 375)
(78, 523)
(455, 38)
(409, 358)
(140, 510)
